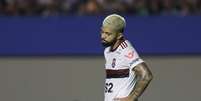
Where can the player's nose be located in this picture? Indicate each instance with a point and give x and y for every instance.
(103, 36)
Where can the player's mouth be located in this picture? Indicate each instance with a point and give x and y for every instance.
(103, 41)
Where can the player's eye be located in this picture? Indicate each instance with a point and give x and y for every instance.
(107, 33)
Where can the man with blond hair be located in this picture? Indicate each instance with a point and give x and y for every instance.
(127, 75)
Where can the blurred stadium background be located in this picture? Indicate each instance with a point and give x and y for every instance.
(50, 49)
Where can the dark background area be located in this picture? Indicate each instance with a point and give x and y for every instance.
(50, 49)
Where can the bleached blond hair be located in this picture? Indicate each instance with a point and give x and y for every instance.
(115, 22)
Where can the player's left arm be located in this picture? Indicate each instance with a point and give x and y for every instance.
(144, 76)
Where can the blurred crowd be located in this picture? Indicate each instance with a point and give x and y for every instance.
(99, 7)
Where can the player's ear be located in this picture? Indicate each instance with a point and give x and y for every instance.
(119, 35)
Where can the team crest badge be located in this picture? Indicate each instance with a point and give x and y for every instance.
(113, 62)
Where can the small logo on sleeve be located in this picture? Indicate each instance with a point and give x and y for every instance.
(130, 55)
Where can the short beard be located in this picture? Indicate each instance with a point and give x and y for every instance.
(107, 44)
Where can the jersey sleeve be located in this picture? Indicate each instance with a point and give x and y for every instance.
(131, 58)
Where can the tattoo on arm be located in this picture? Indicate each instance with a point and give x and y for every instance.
(144, 77)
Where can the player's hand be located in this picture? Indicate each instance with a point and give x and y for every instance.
(128, 98)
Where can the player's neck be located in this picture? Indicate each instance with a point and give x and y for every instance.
(117, 43)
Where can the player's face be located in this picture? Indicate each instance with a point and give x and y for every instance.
(108, 36)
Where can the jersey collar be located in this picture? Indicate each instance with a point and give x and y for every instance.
(122, 39)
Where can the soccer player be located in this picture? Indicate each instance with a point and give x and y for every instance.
(127, 75)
